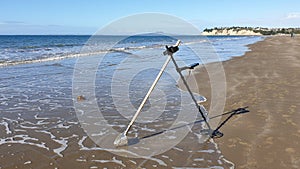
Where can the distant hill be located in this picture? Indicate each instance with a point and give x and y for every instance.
(249, 31)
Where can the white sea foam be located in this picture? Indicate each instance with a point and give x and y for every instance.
(25, 139)
(27, 162)
(113, 160)
(7, 129)
(63, 141)
(83, 147)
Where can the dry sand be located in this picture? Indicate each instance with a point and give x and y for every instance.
(267, 79)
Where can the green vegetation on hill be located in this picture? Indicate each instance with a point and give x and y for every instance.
(263, 31)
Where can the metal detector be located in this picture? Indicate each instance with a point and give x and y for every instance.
(122, 139)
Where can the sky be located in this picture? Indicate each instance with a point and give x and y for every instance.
(86, 17)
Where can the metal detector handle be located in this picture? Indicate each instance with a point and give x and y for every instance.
(148, 94)
(153, 85)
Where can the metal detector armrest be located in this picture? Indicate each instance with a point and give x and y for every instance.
(188, 67)
(194, 65)
(172, 49)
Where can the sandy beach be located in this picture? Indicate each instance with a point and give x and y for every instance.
(267, 80)
(41, 129)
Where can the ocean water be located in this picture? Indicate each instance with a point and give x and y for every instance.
(21, 49)
(39, 120)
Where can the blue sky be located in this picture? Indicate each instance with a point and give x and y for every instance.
(86, 17)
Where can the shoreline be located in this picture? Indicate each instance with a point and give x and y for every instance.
(39, 123)
(265, 79)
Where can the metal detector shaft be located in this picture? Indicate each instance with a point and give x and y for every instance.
(148, 94)
(189, 90)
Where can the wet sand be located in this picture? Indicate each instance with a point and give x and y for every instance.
(266, 79)
(40, 128)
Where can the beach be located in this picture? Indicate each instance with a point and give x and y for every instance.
(267, 80)
(150, 85)
(42, 122)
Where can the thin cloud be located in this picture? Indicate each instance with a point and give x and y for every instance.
(12, 22)
(30, 29)
(293, 15)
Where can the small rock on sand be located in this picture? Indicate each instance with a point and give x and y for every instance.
(80, 98)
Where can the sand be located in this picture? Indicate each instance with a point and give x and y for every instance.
(266, 79)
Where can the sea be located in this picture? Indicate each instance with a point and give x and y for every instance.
(64, 98)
